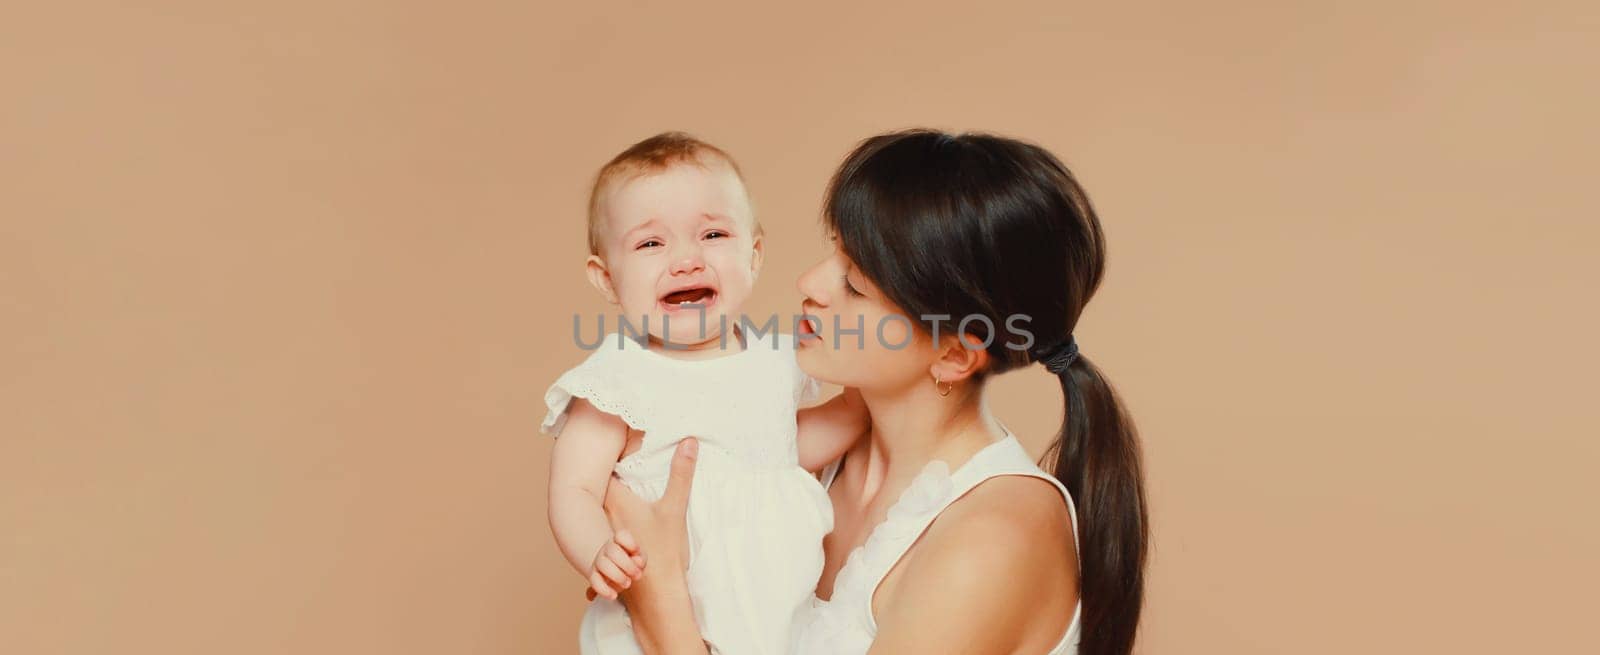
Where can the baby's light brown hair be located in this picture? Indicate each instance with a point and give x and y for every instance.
(652, 155)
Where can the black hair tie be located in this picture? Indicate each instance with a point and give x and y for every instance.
(1059, 357)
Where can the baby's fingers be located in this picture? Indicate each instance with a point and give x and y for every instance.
(629, 566)
(626, 540)
(631, 546)
(597, 583)
(613, 574)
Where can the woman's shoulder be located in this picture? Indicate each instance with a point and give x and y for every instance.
(1008, 527)
(1003, 504)
(998, 554)
(1013, 515)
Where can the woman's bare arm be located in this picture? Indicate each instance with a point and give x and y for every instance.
(662, 614)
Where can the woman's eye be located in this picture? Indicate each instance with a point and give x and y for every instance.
(648, 243)
(849, 287)
(716, 234)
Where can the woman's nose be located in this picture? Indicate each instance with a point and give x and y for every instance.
(813, 283)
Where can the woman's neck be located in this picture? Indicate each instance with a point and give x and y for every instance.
(913, 427)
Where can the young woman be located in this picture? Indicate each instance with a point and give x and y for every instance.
(959, 257)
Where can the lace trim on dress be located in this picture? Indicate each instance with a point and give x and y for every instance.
(928, 493)
(583, 382)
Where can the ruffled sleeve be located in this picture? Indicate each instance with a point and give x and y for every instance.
(599, 380)
(808, 390)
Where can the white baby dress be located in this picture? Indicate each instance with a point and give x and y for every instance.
(756, 519)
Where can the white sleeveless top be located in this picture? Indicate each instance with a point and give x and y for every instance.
(844, 625)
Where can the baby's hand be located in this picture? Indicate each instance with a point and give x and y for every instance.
(616, 566)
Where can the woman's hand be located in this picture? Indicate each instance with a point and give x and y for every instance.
(660, 528)
(658, 602)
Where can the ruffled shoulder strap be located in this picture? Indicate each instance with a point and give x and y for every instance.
(928, 495)
(1008, 457)
(607, 379)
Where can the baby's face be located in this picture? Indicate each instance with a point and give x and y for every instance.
(678, 245)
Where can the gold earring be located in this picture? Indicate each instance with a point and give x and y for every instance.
(944, 390)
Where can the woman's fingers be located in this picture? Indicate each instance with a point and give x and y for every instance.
(681, 478)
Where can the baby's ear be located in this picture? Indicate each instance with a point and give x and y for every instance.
(600, 277)
(757, 256)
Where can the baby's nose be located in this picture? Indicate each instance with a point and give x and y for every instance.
(686, 264)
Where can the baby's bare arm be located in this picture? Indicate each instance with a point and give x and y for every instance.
(827, 430)
(580, 468)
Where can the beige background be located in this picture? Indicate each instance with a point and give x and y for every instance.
(281, 286)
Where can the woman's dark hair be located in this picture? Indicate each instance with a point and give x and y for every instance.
(974, 224)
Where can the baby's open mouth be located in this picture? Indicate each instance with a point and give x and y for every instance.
(690, 296)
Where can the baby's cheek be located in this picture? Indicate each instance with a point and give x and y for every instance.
(736, 279)
(637, 298)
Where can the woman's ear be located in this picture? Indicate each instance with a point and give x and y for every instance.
(959, 358)
(600, 277)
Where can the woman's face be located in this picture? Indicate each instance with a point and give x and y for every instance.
(856, 337)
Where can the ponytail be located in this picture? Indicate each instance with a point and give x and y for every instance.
(1097, 459)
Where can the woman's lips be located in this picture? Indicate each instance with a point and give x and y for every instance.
(809, 328)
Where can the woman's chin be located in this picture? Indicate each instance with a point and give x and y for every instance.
(803, 356)
(809, 356)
